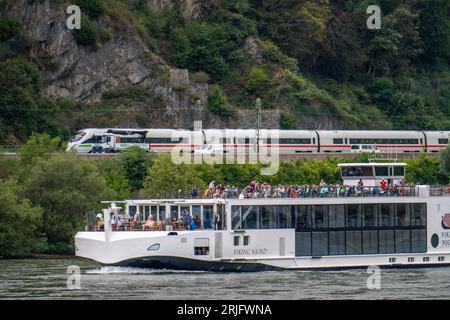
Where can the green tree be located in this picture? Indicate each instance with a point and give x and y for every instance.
(181, 47)
(20, 223)
(134, 163)
(424, 170)
(20, 95)
(39, 146)
(164, 178)
(66, 188)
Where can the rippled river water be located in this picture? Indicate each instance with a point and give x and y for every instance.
(47, 279)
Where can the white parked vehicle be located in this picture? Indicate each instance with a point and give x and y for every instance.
(210, 149)
(364, 148)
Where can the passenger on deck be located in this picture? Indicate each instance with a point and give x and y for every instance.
(207, 223)
(149, 223)
(194, 193)
(192, 225)
(99, 224)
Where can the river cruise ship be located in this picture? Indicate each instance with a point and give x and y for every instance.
(315, 227)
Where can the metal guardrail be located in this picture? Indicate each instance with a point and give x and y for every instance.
(306, 193)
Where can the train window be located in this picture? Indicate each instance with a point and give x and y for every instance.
(294, 141)
(443, 141)
(94, 139)
(77, 137)
(164, 140)
(338, 141)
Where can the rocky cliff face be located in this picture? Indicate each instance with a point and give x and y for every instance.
(85, 73)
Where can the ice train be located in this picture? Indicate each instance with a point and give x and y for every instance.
(110, 140)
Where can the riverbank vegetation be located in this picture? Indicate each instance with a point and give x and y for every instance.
(47, 192)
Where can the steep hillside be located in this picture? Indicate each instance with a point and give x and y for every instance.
(144, 63)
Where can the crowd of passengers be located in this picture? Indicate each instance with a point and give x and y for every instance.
(323, 189)
(187, 221)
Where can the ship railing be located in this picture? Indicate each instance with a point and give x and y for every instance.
(302, 192)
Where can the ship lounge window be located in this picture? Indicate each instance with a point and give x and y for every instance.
(399, 171)
(357, 171)
(350, 229)
(381, 171)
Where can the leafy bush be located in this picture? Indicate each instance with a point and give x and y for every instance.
(199, 77)
(93, 8)
(258, 80)
(288, 121)
(217, 101)
(19, 223)
(87, 35)
(9, 28)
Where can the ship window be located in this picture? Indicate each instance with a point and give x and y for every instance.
(440, 259)
(303, 243)
(410, 259)
(399, 171)
(336, 216)
(392, 260)
(353, 242)
(250, 217)
(319, 243)
(303, 218)
(370, 215)
(268, 217)
(426, 259)
(357, 171)
(337, 242)
(403, 215)
(353, 216)
(236, 240)
(386, 241)
(370, 242)
(402, 241)
(419, 240)
(418, 214)
(154, 247)
(246, 240)
(386, 215)
(320, 217)
(201, 246)
(381, 171)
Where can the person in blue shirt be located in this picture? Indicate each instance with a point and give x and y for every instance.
(192, 224)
